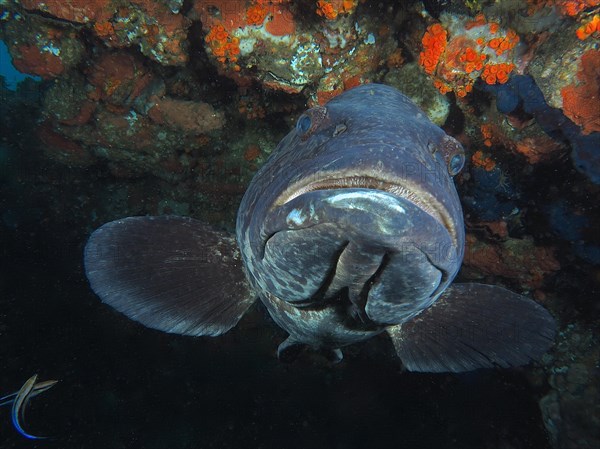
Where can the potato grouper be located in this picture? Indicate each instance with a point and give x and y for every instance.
(353, 227)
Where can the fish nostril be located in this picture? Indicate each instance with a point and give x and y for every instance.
(339, 129)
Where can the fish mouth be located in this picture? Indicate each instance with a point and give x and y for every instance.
(405, 189)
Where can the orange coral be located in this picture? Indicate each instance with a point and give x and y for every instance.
(223, 46)
(351, 81)
(434, 43)
(104, 29)
(589, 28)
(217, 34)
(458, 64)
(442, 87)
(330, 9)
(479, 159)
(348, 5)
(574, 7)
(473, 60)
(478, 21)
(565, 7)
(255, 15)
(480, 49)
(323, 96)
(462, 91)
(326, 10)
(580, 101)
(486, 132)
(504, 44)
(497, 73)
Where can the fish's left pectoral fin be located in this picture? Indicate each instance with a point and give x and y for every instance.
(170, 273)
(474, 326)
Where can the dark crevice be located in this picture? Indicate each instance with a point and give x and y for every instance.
(320, 293)
(364, 293)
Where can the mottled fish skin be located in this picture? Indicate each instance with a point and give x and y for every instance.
(354, 223)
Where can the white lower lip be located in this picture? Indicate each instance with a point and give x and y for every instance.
(351, 200)
(390, 186)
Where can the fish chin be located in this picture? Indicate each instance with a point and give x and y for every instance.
(405, 189)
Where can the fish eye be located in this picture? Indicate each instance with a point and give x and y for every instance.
(303, 125)
(453, 154)
(456, 164)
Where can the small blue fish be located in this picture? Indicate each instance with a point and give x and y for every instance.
(352, 228)
(20, 400)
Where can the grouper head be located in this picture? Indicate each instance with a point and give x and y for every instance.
(357, 205)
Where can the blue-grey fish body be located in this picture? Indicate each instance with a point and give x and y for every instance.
(352, 227)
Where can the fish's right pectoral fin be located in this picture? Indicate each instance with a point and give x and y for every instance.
(474, 326)
(170, 273)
